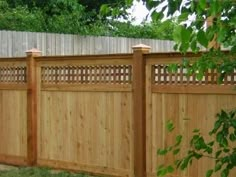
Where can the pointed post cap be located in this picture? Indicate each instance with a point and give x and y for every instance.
(33, 51)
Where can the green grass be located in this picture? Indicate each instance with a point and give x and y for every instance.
(38, 172)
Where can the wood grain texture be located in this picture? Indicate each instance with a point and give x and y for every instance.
(189, 103)
(66, 44)
(13, 160)
(32, 106)
(13, 119)
(87, 128)
(139, 107)
(188, 112)
(88, 169)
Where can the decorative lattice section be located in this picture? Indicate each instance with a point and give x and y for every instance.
(102, 74)
(13, 74)
(161, 76)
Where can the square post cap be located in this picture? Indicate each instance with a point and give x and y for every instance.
(34, 52)
(142, 47)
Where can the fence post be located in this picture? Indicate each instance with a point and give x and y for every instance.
(139, 109)
(31, 106)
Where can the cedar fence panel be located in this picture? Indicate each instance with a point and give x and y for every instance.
(13, 110)
(189, 103)
(85, 121)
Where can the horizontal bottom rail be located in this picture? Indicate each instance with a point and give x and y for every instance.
(94, 170)
(13, 87)
(13, 160)
(195, 89)
(88, 87)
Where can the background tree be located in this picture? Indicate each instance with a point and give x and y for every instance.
(77, 17)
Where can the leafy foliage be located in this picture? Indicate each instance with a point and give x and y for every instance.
(192, 31)
(76, 17)
(20, 18)
(218, 149)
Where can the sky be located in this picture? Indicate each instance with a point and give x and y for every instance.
(139, 11)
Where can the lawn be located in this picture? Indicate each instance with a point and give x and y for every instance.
(38, 172)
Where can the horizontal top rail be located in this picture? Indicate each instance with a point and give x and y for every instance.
(172, 57)
(6, 59)
(85, 57)
(173, 54)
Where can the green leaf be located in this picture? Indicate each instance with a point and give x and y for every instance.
(185, 35)
(162, 171)
(211, 143)
(214, 7)
(199, 75)
(177, 34)
(221, 35)
(202, 4)
(218, 153)
(196, 131)
(162, 151)
(170, 169)
(202, 38)
(224, 142)
(218, 167)
(176, 151)
(104, 10)
(172, 68)
(208, 150)
(232, 137)
(176, 47)
(157, 16)
(216, 127)
(192, 7)
(170, 126)
(209, 173)
(233, 122)
(185, 62)
(194, 45)
(184, 47)
(225, 173)
(128, 2)
(219, 137)
(178, 140)
(197, 155)
(185, 162)
(183, 17)
(226, 150)
(178, 163)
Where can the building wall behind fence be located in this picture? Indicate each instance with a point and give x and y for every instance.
(16, 43)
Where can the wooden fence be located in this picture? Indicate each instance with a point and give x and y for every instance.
(14, 43)
(103, 114)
